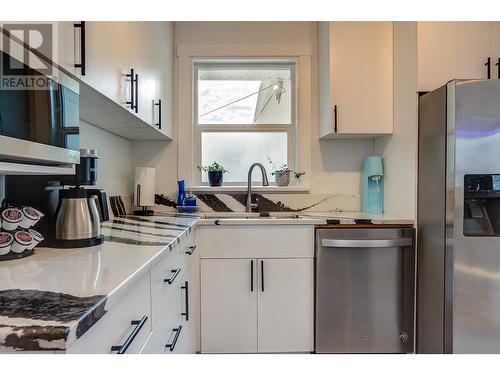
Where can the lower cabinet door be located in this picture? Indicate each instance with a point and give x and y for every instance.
(168, 332)
(285, 305)
(228, 306)
(123, 329)
(188, 309)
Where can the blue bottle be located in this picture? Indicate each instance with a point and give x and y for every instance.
(181, 193)
(373, 185)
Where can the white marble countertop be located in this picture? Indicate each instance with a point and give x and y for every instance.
(50, 299)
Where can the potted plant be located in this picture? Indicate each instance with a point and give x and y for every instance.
(215, 173)
(282, 173)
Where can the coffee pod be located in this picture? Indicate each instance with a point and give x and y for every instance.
(30, 217)
(21, 242)
(37, 238)
(11, 217)
(6, 240)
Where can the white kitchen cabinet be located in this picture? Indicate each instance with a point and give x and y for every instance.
(113, 49)
(108, 59)
(113, 329)
(355, 79)
(455, 50)
(67, 45)
(495, 50)
(261, 299)
(228, 306)
(151, 44)
(189, 295)
(285, 305)
(162, 339)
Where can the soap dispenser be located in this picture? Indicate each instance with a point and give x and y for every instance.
(373, 185)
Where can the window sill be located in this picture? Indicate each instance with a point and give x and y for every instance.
(255, 188)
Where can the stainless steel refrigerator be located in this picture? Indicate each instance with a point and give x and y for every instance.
(458, 245)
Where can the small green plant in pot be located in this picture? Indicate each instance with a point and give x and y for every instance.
(282, 173)
(215, 173)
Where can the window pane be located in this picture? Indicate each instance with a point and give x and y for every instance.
(244, 95)
(237, 151)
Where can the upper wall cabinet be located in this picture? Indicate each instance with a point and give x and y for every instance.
(456, 50)
(355, 79)
(125, 63)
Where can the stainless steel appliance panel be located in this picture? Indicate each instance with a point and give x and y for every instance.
(476, 303)
(459, 265)
(431, 209)
(364, 290)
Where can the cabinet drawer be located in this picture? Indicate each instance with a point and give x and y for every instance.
(188, 250)
(256, 241)
(165, 277)
(115, 327)
(165, 331)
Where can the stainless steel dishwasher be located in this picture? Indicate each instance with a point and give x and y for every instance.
(365, 281)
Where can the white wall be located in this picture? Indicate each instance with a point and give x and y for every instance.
(115, 172)
(400, 149)
(336, 165)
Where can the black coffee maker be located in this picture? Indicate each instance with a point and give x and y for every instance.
(73, 213)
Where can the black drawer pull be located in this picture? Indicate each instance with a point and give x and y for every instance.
(81, 65)
(176, 337)
(132, 90)
(175, 273)
(498, 64)
(262, 274)
(136, 93)
(251, 275)
(488, 67)
(159, 113)
(186, 288)
(335, 118)
(121, 349)
(191, 250)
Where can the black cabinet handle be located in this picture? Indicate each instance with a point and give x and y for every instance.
(191, 250)
(335, 118)
(488, 67)
(186, 289)
(159, 113)
(81, 65)
(132, 91)
(121, 349)
(176, 337)
(136, 93)
(262, 274)
(498, 64)
(251, 275)
(175, 273)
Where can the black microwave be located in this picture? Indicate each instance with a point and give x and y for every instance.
(39, 120)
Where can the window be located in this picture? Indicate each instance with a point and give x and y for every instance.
(244, 112)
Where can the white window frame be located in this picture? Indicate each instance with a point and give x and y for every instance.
(184, 120)
(290, 128)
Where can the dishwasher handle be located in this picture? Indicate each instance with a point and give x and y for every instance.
(373, 243)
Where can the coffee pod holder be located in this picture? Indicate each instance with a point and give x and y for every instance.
(14, 243)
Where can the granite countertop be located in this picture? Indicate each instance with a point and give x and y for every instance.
(302, 218)
(356, 217)
(49, 300)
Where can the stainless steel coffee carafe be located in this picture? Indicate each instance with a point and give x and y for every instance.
(79, 217)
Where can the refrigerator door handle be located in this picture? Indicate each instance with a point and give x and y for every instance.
(397, 242)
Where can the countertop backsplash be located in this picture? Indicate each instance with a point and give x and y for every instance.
(235, 202)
